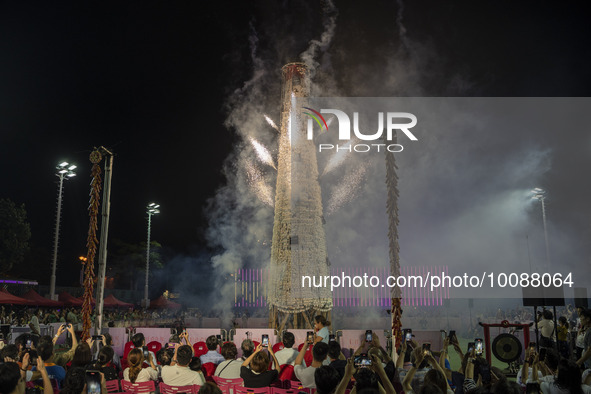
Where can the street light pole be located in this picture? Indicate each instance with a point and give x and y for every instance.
(151, 209)
(64, 171)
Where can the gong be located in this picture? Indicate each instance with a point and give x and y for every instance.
(506, 347)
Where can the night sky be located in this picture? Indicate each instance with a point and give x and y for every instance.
(155, 81)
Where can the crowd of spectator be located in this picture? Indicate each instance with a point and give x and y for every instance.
(34, 361)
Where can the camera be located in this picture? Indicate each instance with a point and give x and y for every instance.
(265, 340)
(310, 337)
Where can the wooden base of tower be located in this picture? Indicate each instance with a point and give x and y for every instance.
(297, 320)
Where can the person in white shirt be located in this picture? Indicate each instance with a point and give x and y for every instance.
(135, 373)
(306, 375)
(230, 367)
(288, 354)
(178, 372)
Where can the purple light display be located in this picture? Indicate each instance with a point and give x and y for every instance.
(251, 287)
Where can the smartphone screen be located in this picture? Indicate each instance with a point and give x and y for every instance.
(426, 347)
(470, 347)
(408, 334)
(146, 354)
(93, 382)
(362, 361)
(310, 336)
(331, 337)
(265, 340)
(29, 343)
(219, 338)
(478, 345)
(368, 336)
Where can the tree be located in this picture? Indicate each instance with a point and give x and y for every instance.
(15, 233)
(127, 261)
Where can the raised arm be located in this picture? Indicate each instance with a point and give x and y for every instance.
(418, 356)
(60, 331)
(249, 359)
(379, 370)
(400, 359)
(70, 329)
(301, 354)
(349, 369)
(272, 353)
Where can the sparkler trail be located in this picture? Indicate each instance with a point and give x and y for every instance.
(347, 190)
(262, 153)
(257, 183)
(270, 121)
(337, 159)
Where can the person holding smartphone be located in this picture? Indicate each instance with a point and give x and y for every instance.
(321, 329)
(258, 375)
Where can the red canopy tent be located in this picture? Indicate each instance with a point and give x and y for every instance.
(39, 300)
(112, 302)
(7, 298)
(162, 302)
(69, 300)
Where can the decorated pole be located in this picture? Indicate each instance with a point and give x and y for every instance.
(102, 257)
(91, 242)
(394, 247)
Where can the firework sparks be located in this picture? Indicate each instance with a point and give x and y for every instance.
(347, 190)
(338, 158)
(271, 123)
(262, 153)
(257, 183)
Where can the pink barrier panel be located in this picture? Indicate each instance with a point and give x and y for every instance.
(162, 335)
(119, 339)
(154, 334)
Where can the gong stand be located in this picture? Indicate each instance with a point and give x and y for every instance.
(503, 324)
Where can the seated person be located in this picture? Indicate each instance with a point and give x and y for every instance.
(108, 341)
(259, 375)
(45, 352)
(135, 373)
(75, 382)
(105, 363)
(365, 379)
(336, 360)
(230, 367)
(212, 356)
(139, 341)
(288, 354)
(195, 365)
(179, 373)
(12, 378)
(247, 348)
(327, 379)
(306, 374)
